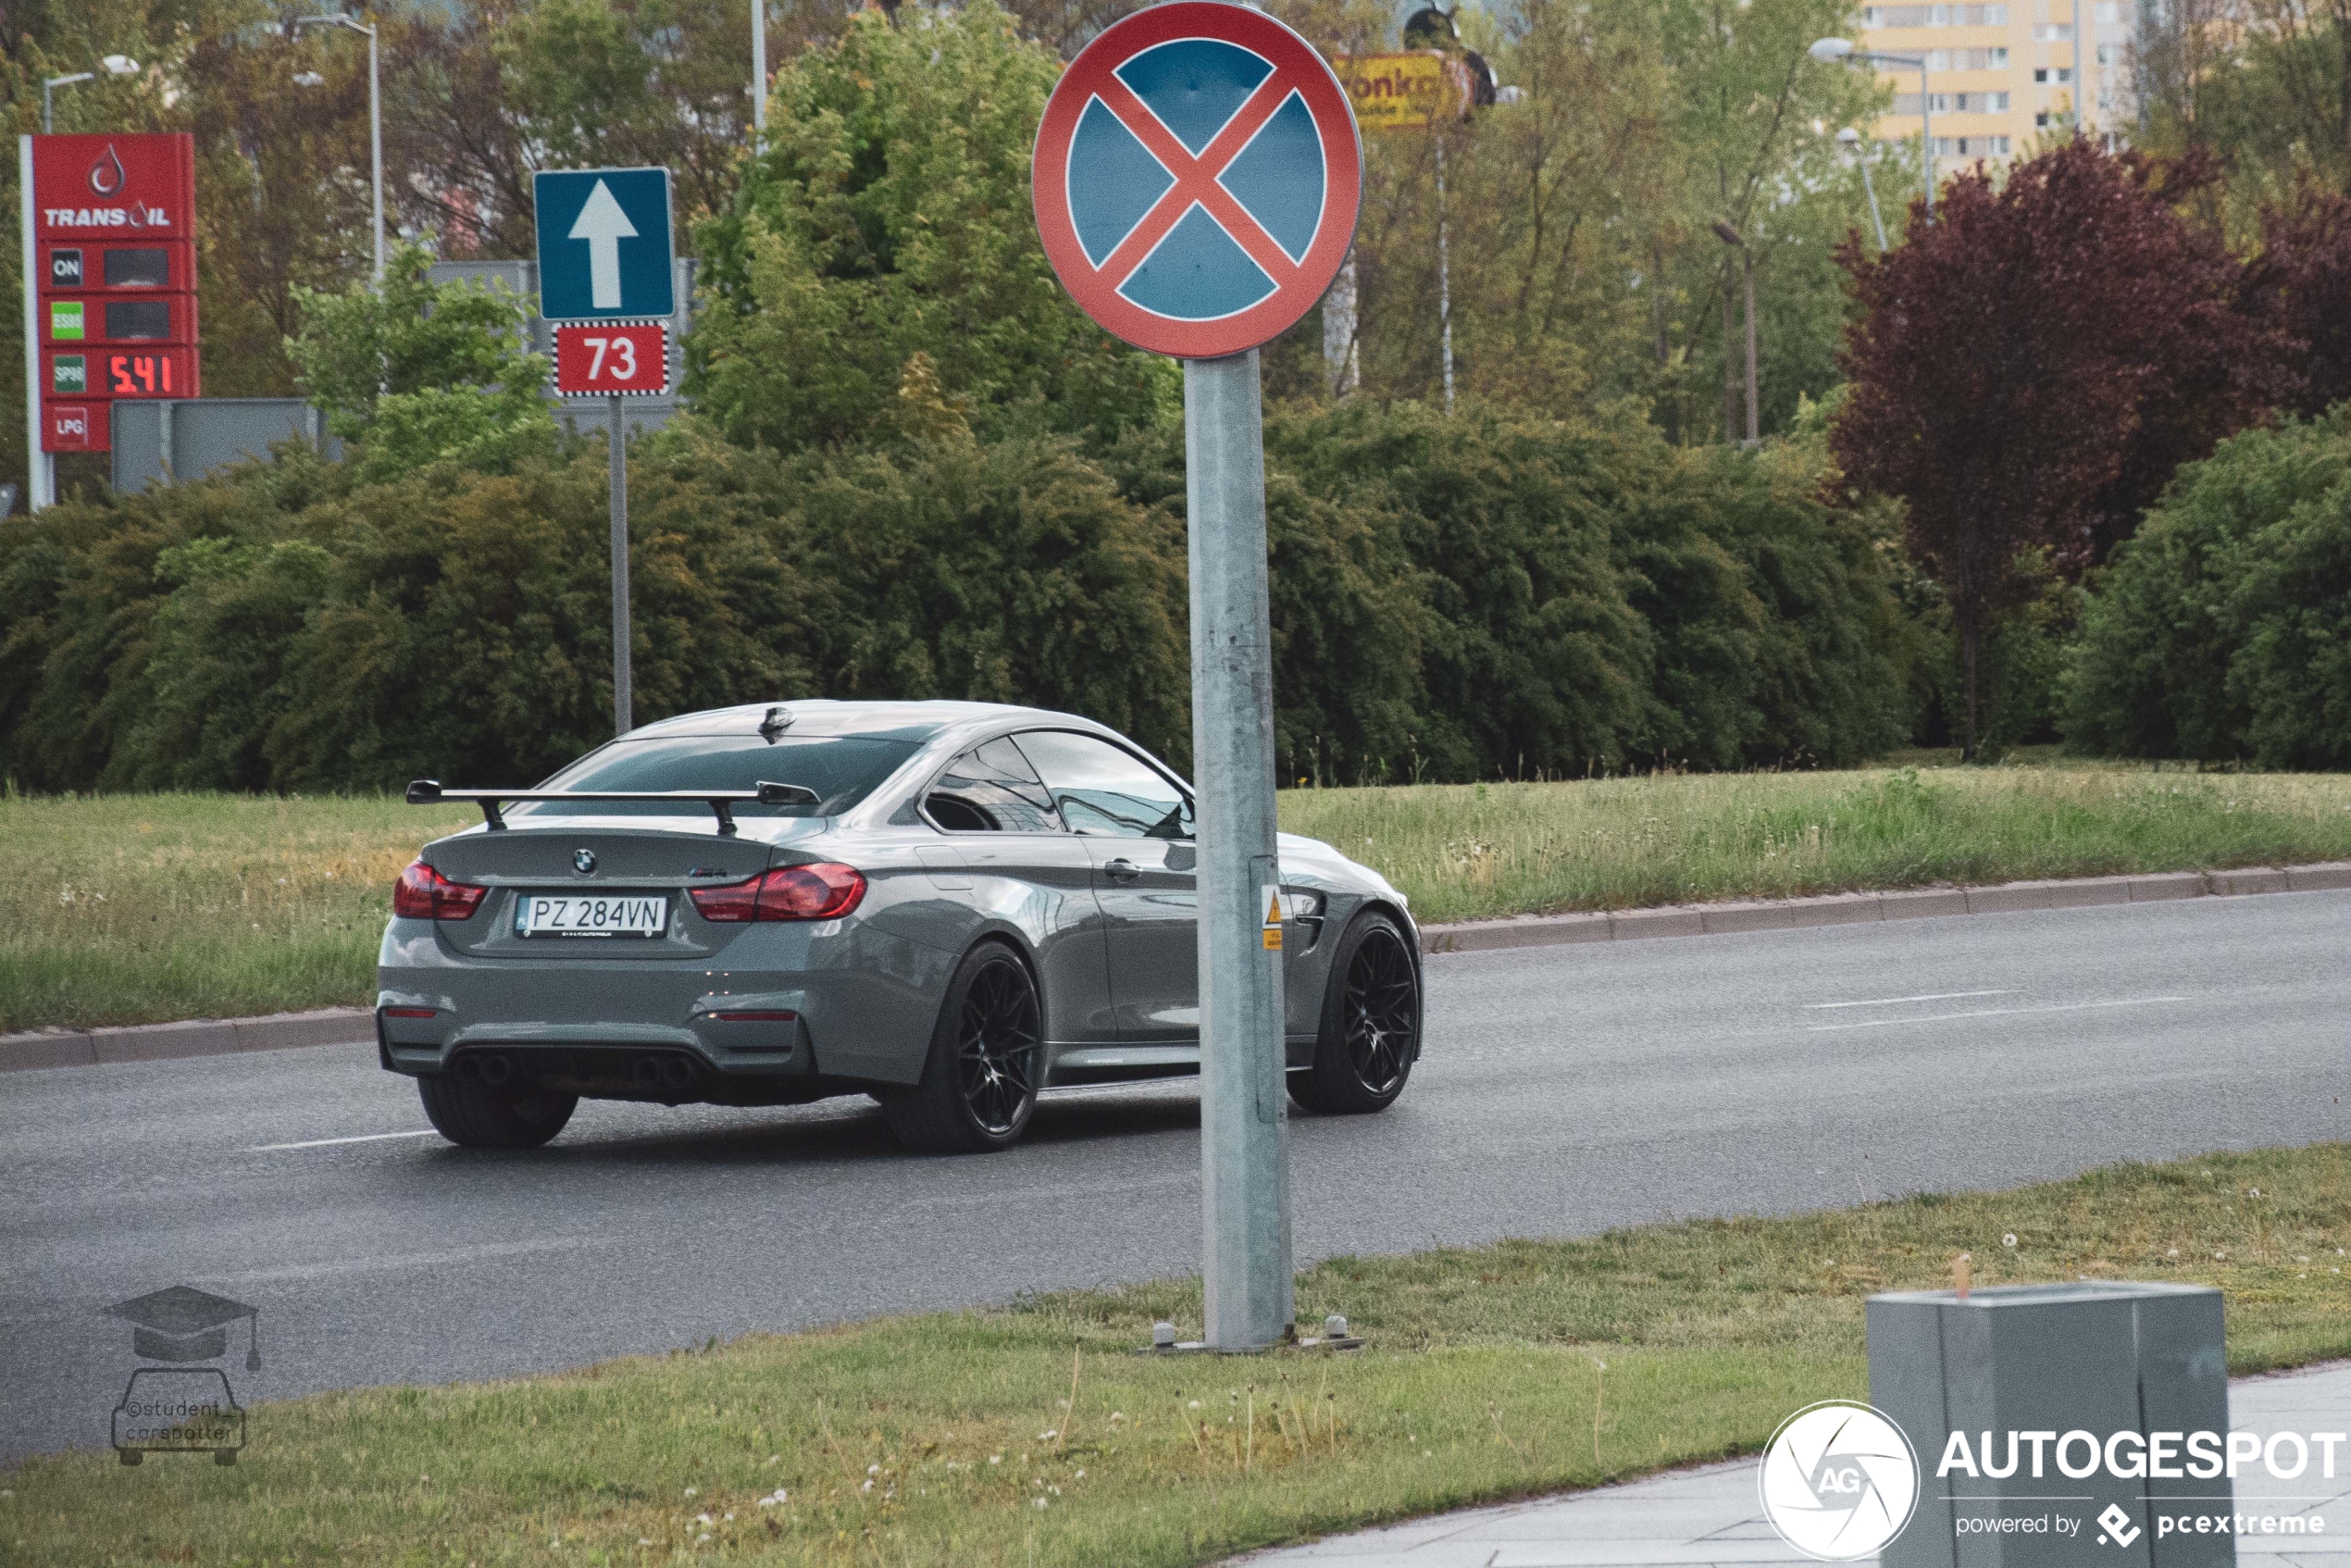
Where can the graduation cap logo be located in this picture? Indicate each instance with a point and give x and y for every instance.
(185, 1324)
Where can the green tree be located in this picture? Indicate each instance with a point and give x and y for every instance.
(888, 216)
(2219, 631)
(421, 372)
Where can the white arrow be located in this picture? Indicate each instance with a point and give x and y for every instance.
(604, 225)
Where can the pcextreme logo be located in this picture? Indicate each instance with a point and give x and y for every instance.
(1838, 1480)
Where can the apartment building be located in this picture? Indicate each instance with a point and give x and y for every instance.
(2002, 72)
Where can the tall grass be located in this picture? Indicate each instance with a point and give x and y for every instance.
(131, 908)
(1471, 852)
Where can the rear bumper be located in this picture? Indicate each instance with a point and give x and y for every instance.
(798, 1005)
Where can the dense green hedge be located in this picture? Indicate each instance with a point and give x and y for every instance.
(1453, 598)
(2223, 630)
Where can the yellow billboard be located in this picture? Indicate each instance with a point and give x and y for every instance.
(1408, 91)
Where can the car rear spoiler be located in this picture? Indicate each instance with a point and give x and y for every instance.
(722, 802)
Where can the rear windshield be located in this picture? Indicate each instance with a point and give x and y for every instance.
(842, 769)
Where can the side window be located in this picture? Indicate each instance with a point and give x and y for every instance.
(991, 789)
(1104, 792)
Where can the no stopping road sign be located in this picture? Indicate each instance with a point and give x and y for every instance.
(1196, 179)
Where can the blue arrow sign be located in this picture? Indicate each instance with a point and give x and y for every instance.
(604, 244)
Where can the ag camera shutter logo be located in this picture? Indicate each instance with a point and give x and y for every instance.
(1838, 1480)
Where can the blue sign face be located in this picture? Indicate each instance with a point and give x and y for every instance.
(1195, 88)
(604, 244)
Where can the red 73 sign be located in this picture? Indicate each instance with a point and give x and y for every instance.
(607, 357)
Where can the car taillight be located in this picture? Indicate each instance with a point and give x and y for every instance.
(822, 891)
(423, 893)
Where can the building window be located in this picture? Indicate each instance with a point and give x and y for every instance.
(2053, 32)
(1971, 147)
(1874, 17)
(2107, 11)
(2059, 74)
(2110, 54)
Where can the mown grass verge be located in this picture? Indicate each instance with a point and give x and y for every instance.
(955, 1438)
(1477, 850)
(138, 908)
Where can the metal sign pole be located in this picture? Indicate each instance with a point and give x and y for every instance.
(40, 481)
(1244, 1108)
(622, 698)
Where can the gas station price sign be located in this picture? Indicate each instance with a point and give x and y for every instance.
(114, 232)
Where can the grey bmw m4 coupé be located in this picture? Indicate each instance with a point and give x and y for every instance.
(949, 906)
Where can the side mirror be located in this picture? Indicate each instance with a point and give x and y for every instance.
(774, 794)
(423, 791)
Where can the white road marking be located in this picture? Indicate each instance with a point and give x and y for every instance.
(1897, 1000)
(488, 1251)
(331, 1142)
(1995, 1013)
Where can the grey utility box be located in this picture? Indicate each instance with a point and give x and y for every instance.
(2099, 1358)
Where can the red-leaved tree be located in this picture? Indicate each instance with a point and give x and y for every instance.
(2028, 370)
(2300, 285)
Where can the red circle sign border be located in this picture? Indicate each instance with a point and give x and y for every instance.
(1295, 61)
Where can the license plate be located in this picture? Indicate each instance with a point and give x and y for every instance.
(569, 915)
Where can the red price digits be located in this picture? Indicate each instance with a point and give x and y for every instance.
(139, 375)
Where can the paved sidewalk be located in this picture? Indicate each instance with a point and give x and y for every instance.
(1696, 1518)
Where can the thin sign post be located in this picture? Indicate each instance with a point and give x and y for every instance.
(623, 701)
(1196, 179)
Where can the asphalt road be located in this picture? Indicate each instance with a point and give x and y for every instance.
(1562, 1090)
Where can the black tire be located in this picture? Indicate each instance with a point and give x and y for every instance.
(480, 1117)
(979, 1082)
(1371, 1022)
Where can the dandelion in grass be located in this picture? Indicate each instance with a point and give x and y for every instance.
(2008, 1238)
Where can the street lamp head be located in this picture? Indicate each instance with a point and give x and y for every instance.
(1725, 233)
(120, 65)
(1829, 51)
(1849, 138)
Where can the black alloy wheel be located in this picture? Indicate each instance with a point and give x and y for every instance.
(1371, 1030)
(1382, 1011)
(979, 1083)
(995, 1045)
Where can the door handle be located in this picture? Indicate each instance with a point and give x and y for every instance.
(1121, 870)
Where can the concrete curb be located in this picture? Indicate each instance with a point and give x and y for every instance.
(197, 1036)
(1839, 909)
(349, 1025)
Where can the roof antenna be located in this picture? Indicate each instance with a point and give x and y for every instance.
(778, 719)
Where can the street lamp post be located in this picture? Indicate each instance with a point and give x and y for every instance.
(758, 65)
(1730, 236)
(2081, 83)
(1828, 51)
(116, 65)
(375, 125)
(41, 467)
(1850, 140)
